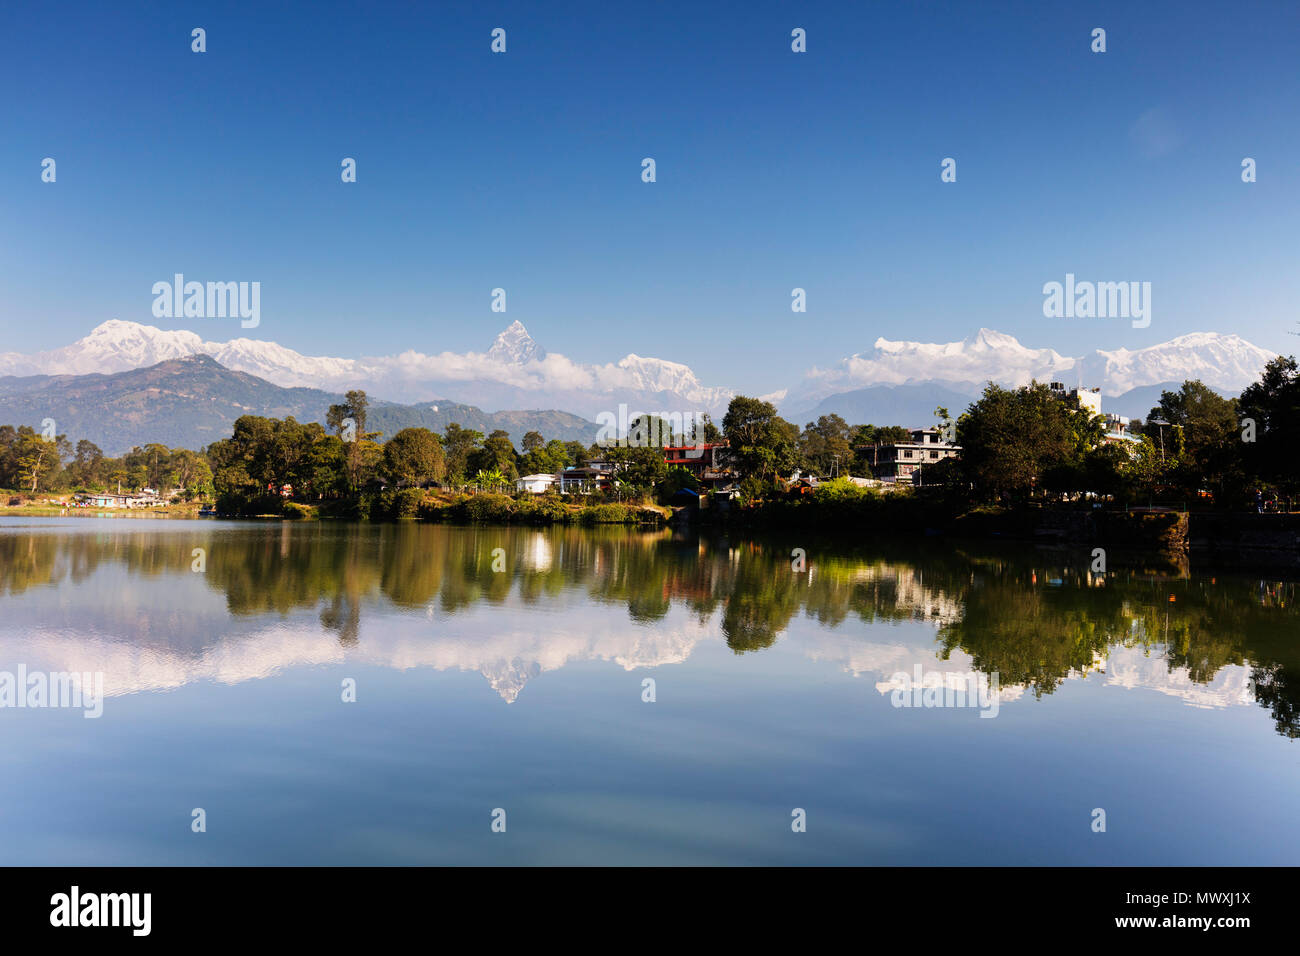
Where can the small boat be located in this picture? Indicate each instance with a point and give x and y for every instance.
(207, 511)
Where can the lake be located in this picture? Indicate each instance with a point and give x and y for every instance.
(618, 697)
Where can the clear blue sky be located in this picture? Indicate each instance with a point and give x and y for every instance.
(775, 170)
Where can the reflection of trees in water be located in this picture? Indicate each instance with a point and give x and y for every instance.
(1022, 615)
(29, 560)
(344, 616)
(1278, 690)
(42, 557)
(1035, 636)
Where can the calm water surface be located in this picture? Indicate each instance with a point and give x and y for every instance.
(1171, 701)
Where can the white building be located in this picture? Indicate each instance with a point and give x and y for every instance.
(1116, 426)
(536, 484)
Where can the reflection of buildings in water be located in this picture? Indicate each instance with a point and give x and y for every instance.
(926, 603)
(509, 660)
(536, 554)
(189, 635)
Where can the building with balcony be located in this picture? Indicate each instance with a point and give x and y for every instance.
(904, 462)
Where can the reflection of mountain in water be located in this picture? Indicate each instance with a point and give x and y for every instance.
(279, 597)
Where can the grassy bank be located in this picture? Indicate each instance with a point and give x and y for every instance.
(415, 504)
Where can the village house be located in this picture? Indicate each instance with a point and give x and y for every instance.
(145, 498)
(708, 462)
(583, 480)
(579, 481)
(537, 484)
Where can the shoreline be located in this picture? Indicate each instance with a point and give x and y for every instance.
(1166, 539)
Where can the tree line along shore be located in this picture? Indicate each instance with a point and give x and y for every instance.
(1012, 449)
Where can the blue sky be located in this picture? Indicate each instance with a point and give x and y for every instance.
(775, 170)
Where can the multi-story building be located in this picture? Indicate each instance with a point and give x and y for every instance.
(1117, 433)
(708, 462)
(1089, 398)
(1116, 428)
(904, 462)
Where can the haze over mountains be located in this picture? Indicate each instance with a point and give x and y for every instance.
(194, 402)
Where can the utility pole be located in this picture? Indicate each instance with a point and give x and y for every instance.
(1160, 423)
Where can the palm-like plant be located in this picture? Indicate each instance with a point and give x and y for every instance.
(490, 479)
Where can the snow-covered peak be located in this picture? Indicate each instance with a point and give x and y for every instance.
(1226, 362)
(983, 356)
(515, 346)
(515, 373)
(112, 346)
(284, 366)
(119, 335)
(657, 376)
(989, 339)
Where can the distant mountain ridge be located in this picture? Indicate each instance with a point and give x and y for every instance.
(193, 401)
(1226, 362)
(895, 376)
(895, 382)
(913, 405)
(515, 372)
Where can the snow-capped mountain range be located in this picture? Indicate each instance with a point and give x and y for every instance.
(1225, 362)
(516, 372)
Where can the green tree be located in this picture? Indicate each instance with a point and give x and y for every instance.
(1011, 437)
(497, 453)
(414, 457)
(36, 459)
(545, 460)
(1273, 406)
(189, 472)
(1210, 448)
(761, 443)
(349, 422)
(578, 455)
(824, 446)
(458, 444)
(709, 432)
(87, 466)
(325, 468)
(639, 468)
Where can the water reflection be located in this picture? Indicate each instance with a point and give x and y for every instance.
(120, 597)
